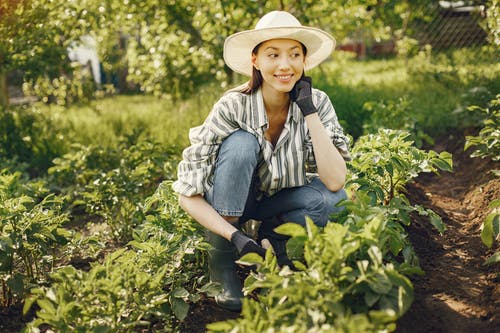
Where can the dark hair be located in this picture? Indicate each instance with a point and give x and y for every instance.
(256, 79)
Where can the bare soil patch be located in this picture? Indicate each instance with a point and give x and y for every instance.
(457, 293)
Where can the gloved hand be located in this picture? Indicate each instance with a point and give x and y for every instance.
(279, 247)
(302, 95)
(245, 244)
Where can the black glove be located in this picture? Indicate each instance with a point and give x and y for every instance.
(302, 95)
(245, 244)
(279, 247)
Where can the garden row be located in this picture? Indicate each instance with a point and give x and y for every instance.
(354, 272)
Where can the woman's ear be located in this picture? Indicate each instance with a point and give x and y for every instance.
(254, 62)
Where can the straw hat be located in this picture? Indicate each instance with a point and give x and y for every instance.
(276, 24)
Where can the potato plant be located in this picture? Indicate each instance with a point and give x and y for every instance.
(31, 232)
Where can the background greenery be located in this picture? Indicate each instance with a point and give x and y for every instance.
(87, 211)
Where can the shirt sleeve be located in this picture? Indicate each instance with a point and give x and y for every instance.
(328, 117)
(195, 171)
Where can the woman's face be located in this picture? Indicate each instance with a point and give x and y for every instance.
(281, 63)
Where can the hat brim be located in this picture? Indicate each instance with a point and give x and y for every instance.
(238, 47)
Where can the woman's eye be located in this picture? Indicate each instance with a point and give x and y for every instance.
(295, 55)
(272, 55)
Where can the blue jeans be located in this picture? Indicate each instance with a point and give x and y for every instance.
(235, 187)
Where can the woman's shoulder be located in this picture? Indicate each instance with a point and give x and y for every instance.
(320, 94)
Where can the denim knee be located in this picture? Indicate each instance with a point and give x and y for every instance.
(237, 159)
(323, 202)
(240, 148)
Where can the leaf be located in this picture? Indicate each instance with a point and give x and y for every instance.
(436, 221)
(250, 259)
(380, 283)
(495, 258)
(220, 326)
(487, 232)
(179, 307)
(371, 298)
(180, 293)
(291, 229)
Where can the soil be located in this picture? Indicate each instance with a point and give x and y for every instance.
(457, 293)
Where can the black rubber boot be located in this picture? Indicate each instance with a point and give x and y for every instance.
(222, 269)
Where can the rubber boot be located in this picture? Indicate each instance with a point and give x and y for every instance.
(222, 269)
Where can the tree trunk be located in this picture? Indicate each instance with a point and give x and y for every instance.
(4, 92)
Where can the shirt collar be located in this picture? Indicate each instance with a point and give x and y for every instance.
(258, 113)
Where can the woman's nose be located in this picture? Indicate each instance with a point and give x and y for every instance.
(284, 63)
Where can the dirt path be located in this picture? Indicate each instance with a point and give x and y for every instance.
(457, 293)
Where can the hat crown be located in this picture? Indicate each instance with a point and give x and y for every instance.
(277, 19)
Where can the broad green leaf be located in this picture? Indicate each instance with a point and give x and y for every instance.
(291, 229)
(437, 222)
(179, 307)
(371, 298)
(250, 259)
(487, 233)
(380, 283)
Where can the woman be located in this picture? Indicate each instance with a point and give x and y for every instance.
(272, 151)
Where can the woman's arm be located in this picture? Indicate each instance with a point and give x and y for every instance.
(331, 166)
(199, 209)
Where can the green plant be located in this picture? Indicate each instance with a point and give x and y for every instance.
(396, 115)
(343, 285)
(487, 142)
(112, 182)
(154, 281)
(28, 137)
(385, 162)
(490, 230)
(31, 235)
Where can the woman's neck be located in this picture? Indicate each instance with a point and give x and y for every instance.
(275, 101)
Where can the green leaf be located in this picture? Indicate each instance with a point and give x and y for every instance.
(179, 307)
(436, 221)
(250, 259)
(371, 298)
(487, 232)
(495, 258)
(220, 326)
(380, 283)
(291, 229)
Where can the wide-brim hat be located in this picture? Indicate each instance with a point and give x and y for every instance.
(276, 25)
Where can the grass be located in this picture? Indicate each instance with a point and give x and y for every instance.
(104, 120)
(436, 87)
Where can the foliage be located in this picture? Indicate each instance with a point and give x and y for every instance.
(112, 182)
(135, 38)
(344, 285)
(31, 230)
(29, 137)
(396, 115)
(385, 162)
(487, 142)
(492, 21)
(154, 281)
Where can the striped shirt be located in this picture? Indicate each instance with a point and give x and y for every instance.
(290, 163)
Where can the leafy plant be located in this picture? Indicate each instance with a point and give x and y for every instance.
(154, 281)
(385, 162)
(487, 142)
(490, 230)
(396, 115)
(343, 284)
(112, 182)
(30, 233)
